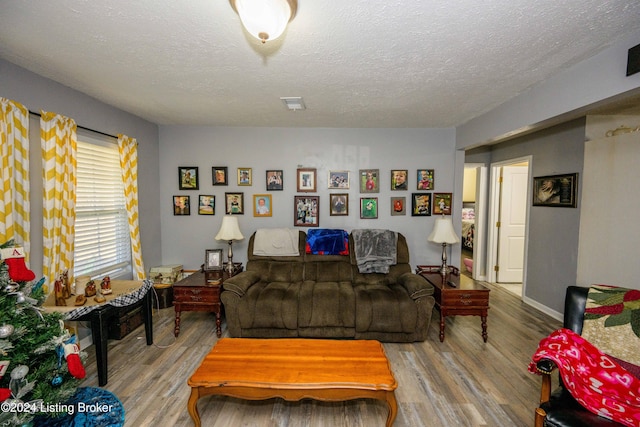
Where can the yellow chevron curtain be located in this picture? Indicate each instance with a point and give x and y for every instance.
(128, 148)
(59, 145)
(14, 153)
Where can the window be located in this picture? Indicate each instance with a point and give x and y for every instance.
(102, 241)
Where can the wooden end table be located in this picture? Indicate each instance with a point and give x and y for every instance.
(457, 295)
(200, 291)
(294, 369)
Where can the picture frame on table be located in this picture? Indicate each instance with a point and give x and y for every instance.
(420, 204)
(369, 180)
(262, 205)
(442, 203)
(188, 178)
(181, 205)
(398, 206)
(425, 179)
(306, 211)
(213, 259)
(234, 203)
(275, 180)
(399, 179)
(558, 191)
(339, 204)
(307, 180)
(338, 180)
(206, 204)
(368, 207)
(244, 176)
(219, 174)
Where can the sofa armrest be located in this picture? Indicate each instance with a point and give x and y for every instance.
(416, 285)
(239, 283)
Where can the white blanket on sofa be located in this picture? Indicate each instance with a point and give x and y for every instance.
(276, 242)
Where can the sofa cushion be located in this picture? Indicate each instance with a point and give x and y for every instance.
(271, 271)
(382, 308)
(270, 305)
(326, 304)
(320, 271)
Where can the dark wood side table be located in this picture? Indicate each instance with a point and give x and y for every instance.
(200, 291)
(457, 295)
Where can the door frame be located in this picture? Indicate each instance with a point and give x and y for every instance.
(494, 216)
(479, 252)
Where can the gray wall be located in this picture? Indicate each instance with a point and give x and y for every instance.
(38, 93)
(185, 238)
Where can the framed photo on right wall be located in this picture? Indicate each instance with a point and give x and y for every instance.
(558, 191)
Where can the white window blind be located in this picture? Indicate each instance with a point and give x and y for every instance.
(102, 241)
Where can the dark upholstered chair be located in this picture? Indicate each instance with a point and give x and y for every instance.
(560, 409)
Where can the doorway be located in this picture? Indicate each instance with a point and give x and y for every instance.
(508, 219)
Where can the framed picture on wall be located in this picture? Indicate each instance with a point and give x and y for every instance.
(442, 203)
(369, 180)
(234, 203)
(368, 207)
(339, 204)
(556, 190)
(181, 205)
(420, 204)
(398, 206)
(188, 178)
(306, 211)
(206, 205)
(338, 180)
(244, 176)
(425, 179)
(262, 205)
(274, 180)
(307, 180)
(219, 174)
(399, 179)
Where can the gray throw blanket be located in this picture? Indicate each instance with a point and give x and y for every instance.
(375, 250)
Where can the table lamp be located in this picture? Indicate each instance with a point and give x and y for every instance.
(229, 231)
(444, 233)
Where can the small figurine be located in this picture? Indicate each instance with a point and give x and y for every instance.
(105, 286)
(99, 298)
(80, 300)
(58, 292)
(90, 289)
(66, 287)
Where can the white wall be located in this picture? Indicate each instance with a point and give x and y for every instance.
(185, 238)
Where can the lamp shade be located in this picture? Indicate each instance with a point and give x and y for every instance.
(229, 229)
(443, 231)
(265, 19)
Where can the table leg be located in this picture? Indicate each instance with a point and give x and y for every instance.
(393, 408)
(147, 313)
(441, 326)
(176, 330)
(218, 323)
(485, 336)
(192, 406)
(100, 335)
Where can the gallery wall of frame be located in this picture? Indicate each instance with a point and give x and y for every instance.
(306, 207)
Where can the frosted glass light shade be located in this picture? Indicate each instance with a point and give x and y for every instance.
(265, 19)
(229, 229)
(443, 231)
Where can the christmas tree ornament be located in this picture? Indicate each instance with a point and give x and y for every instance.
(6, 330)
(11, 287)
(72, 354)
(57, 380)
(18, 382)
(14, 258)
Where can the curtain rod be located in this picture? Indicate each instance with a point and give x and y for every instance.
(80, 127)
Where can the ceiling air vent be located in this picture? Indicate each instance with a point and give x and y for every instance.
(293, 103)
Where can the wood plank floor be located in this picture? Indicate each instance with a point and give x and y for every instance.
(460, 382)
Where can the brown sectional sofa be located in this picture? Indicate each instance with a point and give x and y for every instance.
(325, 296)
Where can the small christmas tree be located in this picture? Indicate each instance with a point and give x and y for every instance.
(34, 369)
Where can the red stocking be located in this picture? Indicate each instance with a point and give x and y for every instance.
(18, 271)
(72, 354)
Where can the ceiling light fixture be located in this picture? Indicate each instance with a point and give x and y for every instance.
(265, 19)
(293, 103)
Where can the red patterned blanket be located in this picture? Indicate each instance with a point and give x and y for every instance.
(593, 378)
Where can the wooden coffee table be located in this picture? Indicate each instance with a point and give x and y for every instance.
(294, 369)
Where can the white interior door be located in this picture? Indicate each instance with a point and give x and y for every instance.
(513, 216)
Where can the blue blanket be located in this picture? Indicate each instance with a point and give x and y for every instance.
(325, 241)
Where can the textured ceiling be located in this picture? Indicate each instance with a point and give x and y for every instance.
(356, 63)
